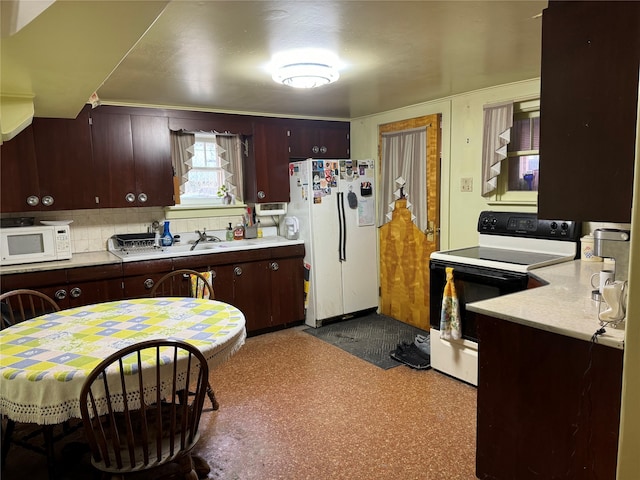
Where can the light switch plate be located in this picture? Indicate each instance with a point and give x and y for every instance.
(466, 184)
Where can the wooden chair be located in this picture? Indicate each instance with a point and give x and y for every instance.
(23, 304)
(17, 306)
(154, 432)
(186, 283)
(183, 283)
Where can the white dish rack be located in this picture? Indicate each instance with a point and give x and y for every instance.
(133, 243)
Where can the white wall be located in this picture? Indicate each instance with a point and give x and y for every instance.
(461, 153)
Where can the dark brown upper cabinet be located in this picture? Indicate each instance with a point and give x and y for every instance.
(588, 110)
(19, 174)
(132, 157)
(266, 173)
(319, 139)
(48, 166)
(65, 161)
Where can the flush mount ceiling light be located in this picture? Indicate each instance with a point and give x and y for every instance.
(306, 75)
(305, 68)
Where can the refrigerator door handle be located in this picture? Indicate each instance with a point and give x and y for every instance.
(342, 227)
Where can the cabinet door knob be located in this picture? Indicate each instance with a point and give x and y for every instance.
(130, 197)
(47, 200)
(323, 149)
(75, 292)
(274, 266)
(148, 283)
(142, 198)
(315, 149)
(60, 294)
(261, 194)
(33, 200)
(237, 271)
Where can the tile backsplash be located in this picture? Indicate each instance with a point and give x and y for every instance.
(91, 228)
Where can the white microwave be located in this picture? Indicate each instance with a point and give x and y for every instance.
(35, 244)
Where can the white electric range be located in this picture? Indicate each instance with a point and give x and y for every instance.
(509, 246)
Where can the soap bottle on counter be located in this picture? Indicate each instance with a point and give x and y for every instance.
(229, 233)
(167, 238)
(238, 232)
(259, 229)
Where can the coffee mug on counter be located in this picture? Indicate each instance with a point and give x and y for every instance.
(602, 278)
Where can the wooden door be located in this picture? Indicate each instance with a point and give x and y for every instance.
(267, 173)
(19, 173)
(589, 94)
(113, 159)
(152, 159)
(252, 293)
(65, 161)
(287, 290)
(405, 250)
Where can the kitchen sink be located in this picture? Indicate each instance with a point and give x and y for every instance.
(183, 250)
(199, 247)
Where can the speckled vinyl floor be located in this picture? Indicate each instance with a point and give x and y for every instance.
(294, 407)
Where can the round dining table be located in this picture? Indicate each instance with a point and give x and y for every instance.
(45, 361)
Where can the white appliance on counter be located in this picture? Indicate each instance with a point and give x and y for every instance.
(334, 203)
(509, 246)
(33, 244)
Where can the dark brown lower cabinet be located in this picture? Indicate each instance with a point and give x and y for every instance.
(548, 405)
(266, 284)
(72, 287)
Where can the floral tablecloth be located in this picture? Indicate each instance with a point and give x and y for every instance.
(44, 361)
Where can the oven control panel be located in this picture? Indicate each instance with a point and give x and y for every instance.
(527, 225)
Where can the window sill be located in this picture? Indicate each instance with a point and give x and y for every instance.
(195, 211)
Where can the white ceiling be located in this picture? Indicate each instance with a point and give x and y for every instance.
(212, 55)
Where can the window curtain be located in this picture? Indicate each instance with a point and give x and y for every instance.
(404, 160)
(231, 162)
(181, 154)
(498, 120)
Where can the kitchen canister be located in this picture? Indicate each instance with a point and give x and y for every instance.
(586, 250)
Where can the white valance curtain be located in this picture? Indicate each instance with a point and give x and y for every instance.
(404, 156)
(230, 148)
(498, 120)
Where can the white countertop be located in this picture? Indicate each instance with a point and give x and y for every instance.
(104, 257)
(564, 306)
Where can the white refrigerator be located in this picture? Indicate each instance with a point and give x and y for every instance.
(334, 202)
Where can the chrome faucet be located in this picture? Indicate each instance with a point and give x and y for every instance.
(203, 237)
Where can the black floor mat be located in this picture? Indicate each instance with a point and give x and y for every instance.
(370, 337)
(412, 356)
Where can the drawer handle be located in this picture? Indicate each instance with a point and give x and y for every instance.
(148, 283)
(75, 292)
(60, 294)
